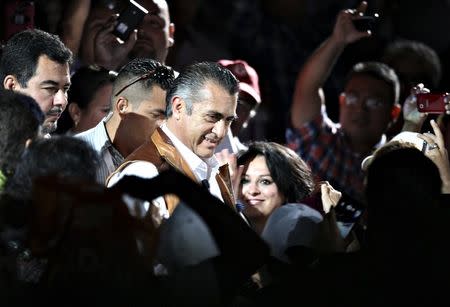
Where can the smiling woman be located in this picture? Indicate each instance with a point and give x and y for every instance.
(273, 175)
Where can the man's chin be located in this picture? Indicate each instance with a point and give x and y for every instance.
(49, 127)
(205, 153)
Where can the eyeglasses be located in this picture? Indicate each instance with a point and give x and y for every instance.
(372, 103)
(162, 75)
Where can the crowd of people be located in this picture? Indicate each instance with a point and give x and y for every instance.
(136, 172)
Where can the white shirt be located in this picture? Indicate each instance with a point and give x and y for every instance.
(202, 169)
(110, 158)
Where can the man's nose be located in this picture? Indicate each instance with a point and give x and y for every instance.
(60, 99)
(220, 128)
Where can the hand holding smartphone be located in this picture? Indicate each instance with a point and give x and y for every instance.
(129, 19)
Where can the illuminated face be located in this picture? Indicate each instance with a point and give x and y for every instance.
(152, 109)
(202, 129)
(143, 116)
(258, 191)
(49, 86)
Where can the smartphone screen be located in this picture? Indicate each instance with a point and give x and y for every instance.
(432, 103)
(129, 19)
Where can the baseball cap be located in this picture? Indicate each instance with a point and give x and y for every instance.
(291, 225)
(247, 76)
(403, 137)
(185, 240)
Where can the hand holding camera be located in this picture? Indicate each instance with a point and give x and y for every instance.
(109, 52)
(118, 36)
(352, 24)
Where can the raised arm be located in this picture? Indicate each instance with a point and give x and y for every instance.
(308, 96)
(72, 25)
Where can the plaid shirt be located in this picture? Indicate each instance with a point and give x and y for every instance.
(322, 145)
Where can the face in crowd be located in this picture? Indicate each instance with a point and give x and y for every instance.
(48, 86)
(366, 107)
(259, 192)
(207, 123)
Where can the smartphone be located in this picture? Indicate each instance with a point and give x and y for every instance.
(348, 212)
(365, 23)
(432, 102)
(18, 16)
(129, 19)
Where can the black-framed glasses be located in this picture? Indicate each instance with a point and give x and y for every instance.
(162, 75)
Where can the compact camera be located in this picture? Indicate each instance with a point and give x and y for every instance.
(129, 19)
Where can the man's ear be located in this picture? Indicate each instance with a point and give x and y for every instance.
(11, 83)
(122, 106)
(395, 112)
(171, 34)
(178, 105)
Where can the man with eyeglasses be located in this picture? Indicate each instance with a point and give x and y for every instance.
(368, 105)
(138, 107)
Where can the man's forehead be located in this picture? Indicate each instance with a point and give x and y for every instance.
(155, 6)
(53, 70)
(366, 84)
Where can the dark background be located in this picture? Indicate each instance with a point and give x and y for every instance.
(276, 37)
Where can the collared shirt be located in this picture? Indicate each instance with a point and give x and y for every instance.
(202, 169)
(323, 146)
(110, 158)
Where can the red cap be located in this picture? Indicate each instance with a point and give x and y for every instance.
(247, 76)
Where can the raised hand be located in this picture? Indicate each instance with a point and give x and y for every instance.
(109, 53)
(436, 151)
(344, 30)
(413, 119)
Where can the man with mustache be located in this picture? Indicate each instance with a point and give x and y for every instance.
(36, 63)
(200, 107)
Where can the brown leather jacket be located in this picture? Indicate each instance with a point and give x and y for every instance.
(160, 151)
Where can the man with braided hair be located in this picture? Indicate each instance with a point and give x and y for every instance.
(138, 106)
